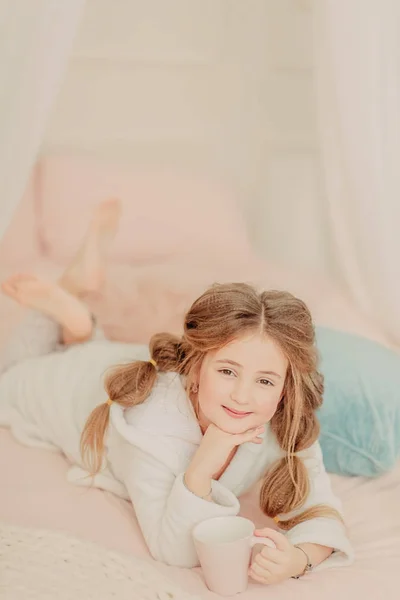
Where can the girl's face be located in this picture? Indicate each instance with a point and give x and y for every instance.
(241, 384)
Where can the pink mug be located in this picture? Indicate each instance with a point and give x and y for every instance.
(224, 546)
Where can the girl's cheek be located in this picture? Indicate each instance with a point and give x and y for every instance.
(269, 409)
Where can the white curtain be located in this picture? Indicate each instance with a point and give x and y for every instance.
(357, 54)
(35, 43)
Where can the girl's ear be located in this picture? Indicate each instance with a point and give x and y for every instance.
(193, 379)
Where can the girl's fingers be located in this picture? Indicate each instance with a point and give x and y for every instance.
(258, 579)
(259, 574)
(268, 556)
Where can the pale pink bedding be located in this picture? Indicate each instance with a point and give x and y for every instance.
(141, 299)
(34, 490)
(35, 493)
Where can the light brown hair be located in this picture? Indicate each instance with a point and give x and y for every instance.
(223, 313)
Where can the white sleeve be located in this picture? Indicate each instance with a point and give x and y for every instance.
(167, 511)
(322, 530)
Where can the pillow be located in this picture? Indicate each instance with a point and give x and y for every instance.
(360, 415)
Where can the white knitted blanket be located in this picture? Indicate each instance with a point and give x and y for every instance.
(42, 565)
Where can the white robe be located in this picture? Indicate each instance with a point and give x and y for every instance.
(46, 401)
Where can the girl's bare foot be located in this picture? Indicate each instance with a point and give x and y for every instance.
(85, 274)
(52, 300)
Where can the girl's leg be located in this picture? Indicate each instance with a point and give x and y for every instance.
(85, 274)
(36, 336)
(53, 301)
(59, 314)
(54, 310)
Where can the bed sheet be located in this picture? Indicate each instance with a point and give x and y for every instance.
(34, 492)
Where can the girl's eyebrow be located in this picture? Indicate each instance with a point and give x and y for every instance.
(232, 362)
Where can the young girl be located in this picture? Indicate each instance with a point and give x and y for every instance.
(183, 434)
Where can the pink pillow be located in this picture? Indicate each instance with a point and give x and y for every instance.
(165, 213)
(20, 243)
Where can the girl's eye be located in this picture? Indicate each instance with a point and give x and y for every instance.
(266, 382)
(226, 372)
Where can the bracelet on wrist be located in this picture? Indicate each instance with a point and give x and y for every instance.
(309, 566)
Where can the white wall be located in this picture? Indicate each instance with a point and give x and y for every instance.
(226, 85)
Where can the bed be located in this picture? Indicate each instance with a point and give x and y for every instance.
(35, 494)
(149, 286)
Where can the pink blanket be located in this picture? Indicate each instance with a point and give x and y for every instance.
(36, 493)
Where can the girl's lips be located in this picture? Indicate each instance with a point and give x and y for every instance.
(236, 414)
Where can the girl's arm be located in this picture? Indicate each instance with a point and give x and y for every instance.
(168, 504)
(166, 509)
(320, 542)
(214, 453)
(273, 565)
(315, 552)
(325, 537)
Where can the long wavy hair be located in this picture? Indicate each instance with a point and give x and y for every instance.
(221, 314)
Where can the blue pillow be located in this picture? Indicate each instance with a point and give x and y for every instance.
(360, 415)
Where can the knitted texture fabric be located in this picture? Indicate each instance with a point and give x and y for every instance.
(42, 565)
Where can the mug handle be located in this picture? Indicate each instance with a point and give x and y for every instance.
(262, 540)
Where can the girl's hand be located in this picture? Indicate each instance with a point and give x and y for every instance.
(215, 449)
(272, 565)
